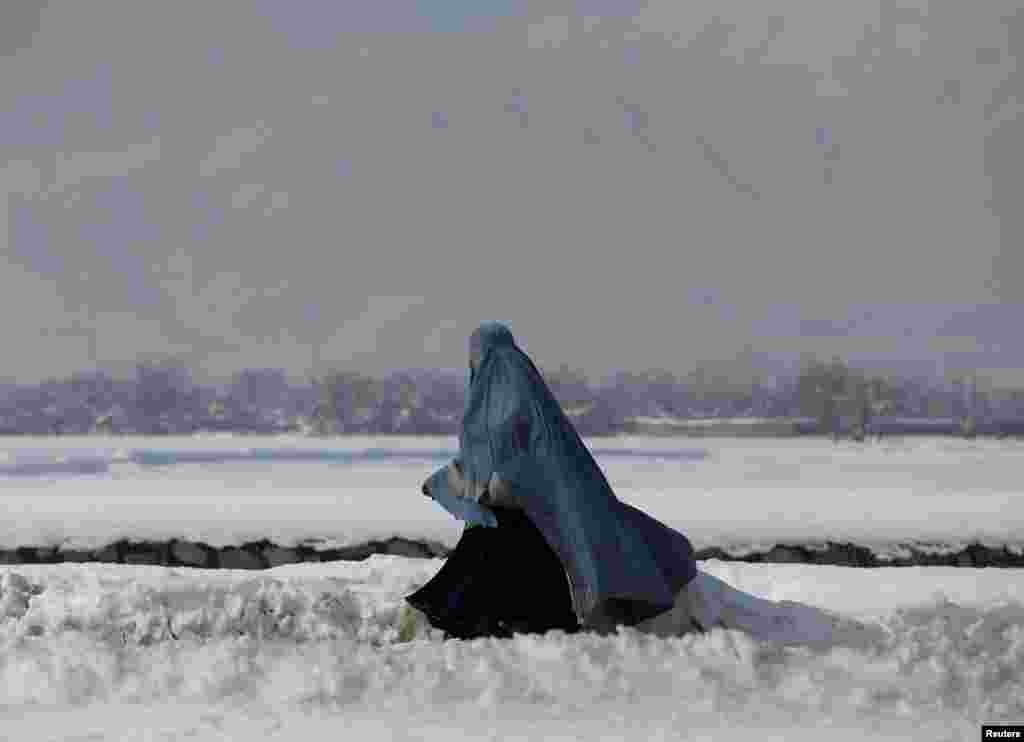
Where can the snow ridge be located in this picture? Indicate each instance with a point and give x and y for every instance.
(304, 637)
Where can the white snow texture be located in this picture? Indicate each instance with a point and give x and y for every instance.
(313, 651)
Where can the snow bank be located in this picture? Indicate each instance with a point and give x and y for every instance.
(324, 638)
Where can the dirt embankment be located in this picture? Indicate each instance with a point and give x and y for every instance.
(263, 555)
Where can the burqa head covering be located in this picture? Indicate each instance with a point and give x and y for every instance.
(487, 335)
(622, 565)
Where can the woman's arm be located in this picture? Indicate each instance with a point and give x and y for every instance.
(496, 493)
(499, 493)
(447, 488)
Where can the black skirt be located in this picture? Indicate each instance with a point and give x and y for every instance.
(499, 582)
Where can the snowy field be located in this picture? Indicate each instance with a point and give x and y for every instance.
(313, 651)
(737, 494)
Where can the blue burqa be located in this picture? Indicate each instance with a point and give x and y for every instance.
(622, 565)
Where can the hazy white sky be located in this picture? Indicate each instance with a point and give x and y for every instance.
(255, 183)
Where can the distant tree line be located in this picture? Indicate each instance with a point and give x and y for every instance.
(832, 397)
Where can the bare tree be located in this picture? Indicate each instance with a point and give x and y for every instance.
(347, 398)
(823, 392)
(569, 386)
(162, 387)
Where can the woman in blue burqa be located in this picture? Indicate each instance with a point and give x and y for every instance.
(547, 545)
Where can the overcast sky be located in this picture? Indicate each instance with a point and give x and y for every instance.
(308, 183)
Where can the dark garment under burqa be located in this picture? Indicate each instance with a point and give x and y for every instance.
(561, 551)
(499, 581)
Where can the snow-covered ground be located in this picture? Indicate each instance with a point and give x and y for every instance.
(104, 652)
(312, 651)
(739, 495)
